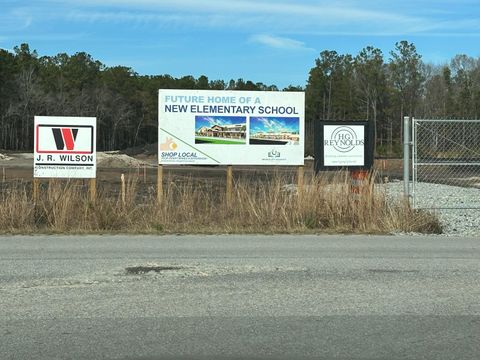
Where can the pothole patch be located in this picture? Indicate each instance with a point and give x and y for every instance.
(144, 269)
(153, 272)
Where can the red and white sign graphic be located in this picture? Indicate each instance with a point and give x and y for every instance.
(64, 140)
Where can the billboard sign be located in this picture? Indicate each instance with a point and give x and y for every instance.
(64, 147)
(211, 127)
(343, 145)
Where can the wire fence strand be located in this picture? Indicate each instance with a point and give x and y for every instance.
(446, 152)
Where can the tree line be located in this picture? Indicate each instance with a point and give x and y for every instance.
(366, 86)
(124, 102)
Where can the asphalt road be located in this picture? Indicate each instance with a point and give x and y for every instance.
(239, 297)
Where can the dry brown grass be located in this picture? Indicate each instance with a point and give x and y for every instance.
(257, 207)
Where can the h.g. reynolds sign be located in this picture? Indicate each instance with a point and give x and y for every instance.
(344, 145)
(344, 139)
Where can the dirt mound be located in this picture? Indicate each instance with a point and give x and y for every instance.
(4, 157)
(113, 159)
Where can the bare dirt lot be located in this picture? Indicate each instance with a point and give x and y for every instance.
(110, 166)
(141, 167)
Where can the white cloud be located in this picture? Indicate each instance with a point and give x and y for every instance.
(322, 9)
(286, 16)
(211, 121)
(271, 124)
(15, 19)
(113, 16)
(279, 42)
(316, 17)
(160, 19)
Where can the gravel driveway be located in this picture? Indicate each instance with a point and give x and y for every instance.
(463, 222)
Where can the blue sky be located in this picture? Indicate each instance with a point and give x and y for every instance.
(210, 121)
(269, 41)
(276, 125)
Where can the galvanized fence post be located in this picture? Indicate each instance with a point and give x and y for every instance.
(406, 157)
(414, 160)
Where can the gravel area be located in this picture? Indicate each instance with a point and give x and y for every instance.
(463, 222)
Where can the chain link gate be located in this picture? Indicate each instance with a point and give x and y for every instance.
(446, 164)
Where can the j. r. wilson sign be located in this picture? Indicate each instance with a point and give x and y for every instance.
(64, 147)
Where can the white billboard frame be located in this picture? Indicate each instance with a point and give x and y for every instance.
(225, 127)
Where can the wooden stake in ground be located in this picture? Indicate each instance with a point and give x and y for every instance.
(93, 190)
(229, 184)
(300, 179)
(160, 184)
(144, 173)
(122, 179)
(35, 188)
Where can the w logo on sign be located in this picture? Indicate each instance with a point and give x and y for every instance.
(65, 138)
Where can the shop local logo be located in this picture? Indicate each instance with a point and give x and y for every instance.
(344, 139)
(168, 153)
(168, 145)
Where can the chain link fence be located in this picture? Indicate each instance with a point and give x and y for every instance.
(446, 164)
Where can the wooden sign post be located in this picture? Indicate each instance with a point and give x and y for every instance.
(35, 189)
(160, 184)
(122, 179)
(300, 179)
(229, 185)
(93, 190)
